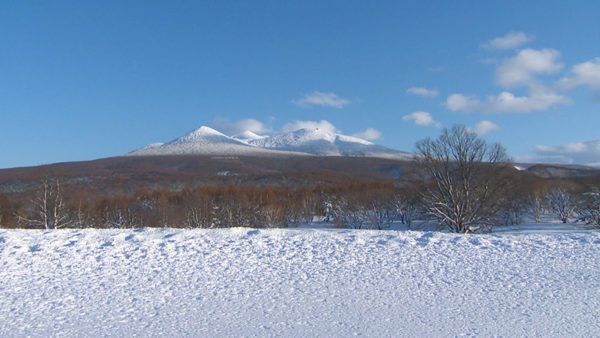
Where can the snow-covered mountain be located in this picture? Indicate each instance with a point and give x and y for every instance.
(326, 143)
(315, 141)
(203, 140)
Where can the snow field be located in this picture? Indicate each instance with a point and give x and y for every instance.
(306, 282)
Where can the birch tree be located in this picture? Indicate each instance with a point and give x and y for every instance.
(49, 211)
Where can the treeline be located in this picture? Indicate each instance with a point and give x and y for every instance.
(54, 207)
(360, 205)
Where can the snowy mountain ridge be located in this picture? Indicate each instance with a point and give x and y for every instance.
(306, 141)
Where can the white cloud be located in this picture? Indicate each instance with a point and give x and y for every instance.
(321, 99)
(232, 128)
(485, 127)
(538, 98)
(510, 40)
(521, 69)
(422, 91)
(462, 102)
(369, 134)
(517, 71)
(421, 118)
(577, 152)
(586, 73)
(322, 125)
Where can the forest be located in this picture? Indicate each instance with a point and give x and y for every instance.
(360, 206)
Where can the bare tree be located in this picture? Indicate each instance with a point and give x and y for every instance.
(407, 206)
(538, 205)
(590, 208)
(563, 203)
(49, 209)
(120, 218)
(467, 179)
(195, 218)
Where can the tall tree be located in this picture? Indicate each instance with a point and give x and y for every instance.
(467, 179)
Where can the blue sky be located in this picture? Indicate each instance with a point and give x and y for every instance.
(86, 80)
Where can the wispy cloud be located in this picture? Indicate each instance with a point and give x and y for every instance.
(583, 74)
(321, 99)
(323, 125)
(422, 91)
(485, 127)
(421, 118)
(521, 69)
(369, 134)
(232, 128)
(577, 152)
(539, 98)
(509, 41)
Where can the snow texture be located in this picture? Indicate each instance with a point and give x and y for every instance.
(246, 282)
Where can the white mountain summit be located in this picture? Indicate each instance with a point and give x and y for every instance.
(203, 140)
(315, 141)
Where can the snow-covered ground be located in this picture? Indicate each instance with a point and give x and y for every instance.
(302, 282)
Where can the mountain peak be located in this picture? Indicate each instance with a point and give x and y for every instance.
(200, 134)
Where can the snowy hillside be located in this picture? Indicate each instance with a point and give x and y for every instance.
(245, 282)
(315, 141)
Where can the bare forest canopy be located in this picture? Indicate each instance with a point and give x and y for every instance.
(225, 191)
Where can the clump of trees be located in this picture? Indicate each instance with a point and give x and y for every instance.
(590, 208)
(372, 207)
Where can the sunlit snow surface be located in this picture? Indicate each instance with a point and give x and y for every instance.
(303, 282)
